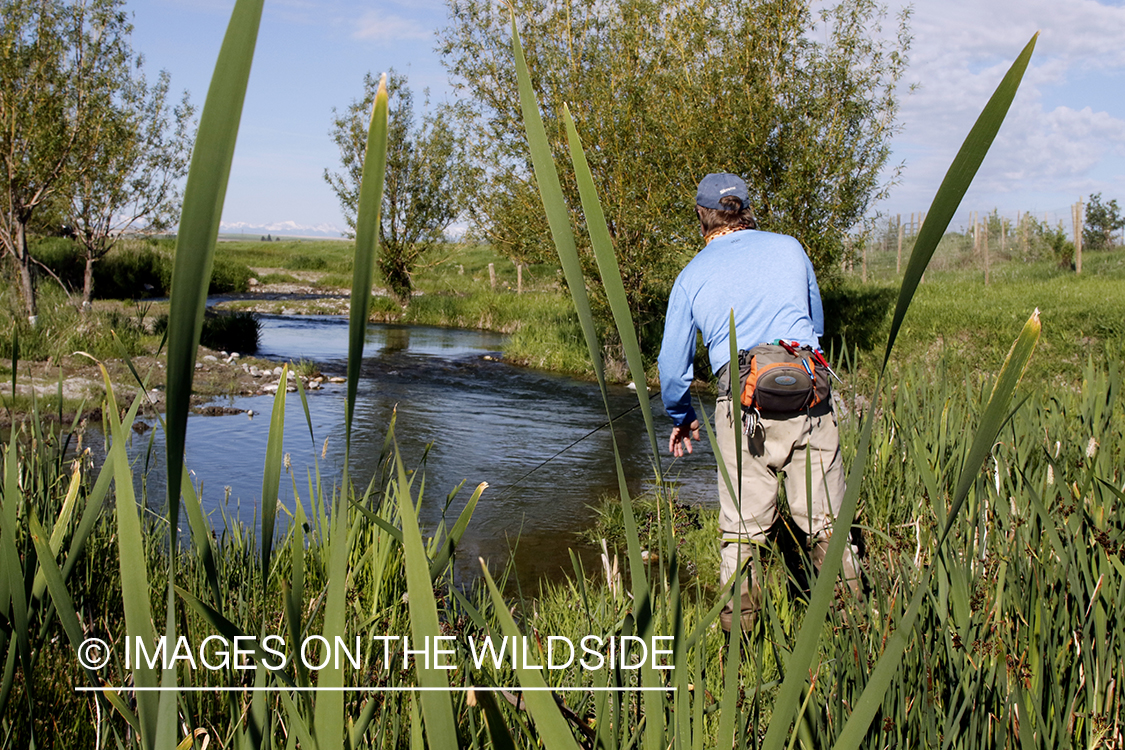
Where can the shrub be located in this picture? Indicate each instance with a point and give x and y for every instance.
(132, 272)
(854, 316)
(238, 332)
(229, 276)
(63, 256)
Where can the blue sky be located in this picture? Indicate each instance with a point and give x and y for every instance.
(1064, 138)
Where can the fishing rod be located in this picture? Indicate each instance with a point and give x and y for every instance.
(512, 487)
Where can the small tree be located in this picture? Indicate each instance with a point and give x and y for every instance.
(57, 60)
(1102, 220)
(426, 177)
(128, 177)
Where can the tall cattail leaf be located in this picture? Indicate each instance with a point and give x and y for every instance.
(549, 722)
(994, 417)
(995, 414)
(948, 197)
(271, 473)
(201, 537)
(554, 205)
(12, 590)
(198, 230)
(366, 245)
(953, 187)
(133, 569)
(328, 716)
(610, 272)
(62, 523)
(437, 706)
(53, 581)
(199, 227)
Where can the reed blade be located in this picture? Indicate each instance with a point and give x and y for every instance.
(610, 272)
(994, 417)
(437, 707)
(133, 569)
(198, 230)
(954, 185)
(366, 246)
(449, 544)
(271, 474)
(549, 723)
(945, 203)
(554, 205)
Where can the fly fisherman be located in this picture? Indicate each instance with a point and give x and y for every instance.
(769, 283)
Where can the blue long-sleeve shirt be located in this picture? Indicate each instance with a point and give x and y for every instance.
(769, 282)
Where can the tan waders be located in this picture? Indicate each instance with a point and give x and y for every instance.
(794, 444)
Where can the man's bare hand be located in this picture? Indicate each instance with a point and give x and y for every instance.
(681, 438)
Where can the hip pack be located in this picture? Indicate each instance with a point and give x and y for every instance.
(782, 378)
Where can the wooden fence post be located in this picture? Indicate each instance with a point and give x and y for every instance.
(898, 260)
(1076, 215)
(987, 263)
(492, 275)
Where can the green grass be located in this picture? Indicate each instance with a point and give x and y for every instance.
(956, 316)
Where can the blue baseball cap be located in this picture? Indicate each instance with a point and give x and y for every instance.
(715, 187)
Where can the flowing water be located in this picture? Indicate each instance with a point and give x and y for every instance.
(462, 416)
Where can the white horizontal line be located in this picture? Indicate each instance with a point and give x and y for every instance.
(280, 689)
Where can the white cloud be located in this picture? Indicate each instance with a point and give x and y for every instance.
(1064, 124)
(379, 27)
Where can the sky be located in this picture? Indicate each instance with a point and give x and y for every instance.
(1064, 138)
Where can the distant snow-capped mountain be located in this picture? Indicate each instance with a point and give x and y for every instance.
(282, 228)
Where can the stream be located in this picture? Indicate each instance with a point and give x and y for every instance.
(532, 436)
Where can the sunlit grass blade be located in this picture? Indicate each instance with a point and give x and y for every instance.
(994, 417)
(945, 204)
(53, 580)
(995, 414)
(549, 722)
(611, 275)
(59, 529)
(134, 573)
(366, 245)
(201, 537)
(954, 185)
(453, 538)
(437, 707)
(271, 473)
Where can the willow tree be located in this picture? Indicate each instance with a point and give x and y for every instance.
(426, 177)
(127, 178)
(57, 59)
(800, 104)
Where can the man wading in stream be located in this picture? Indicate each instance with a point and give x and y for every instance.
(769, 283)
